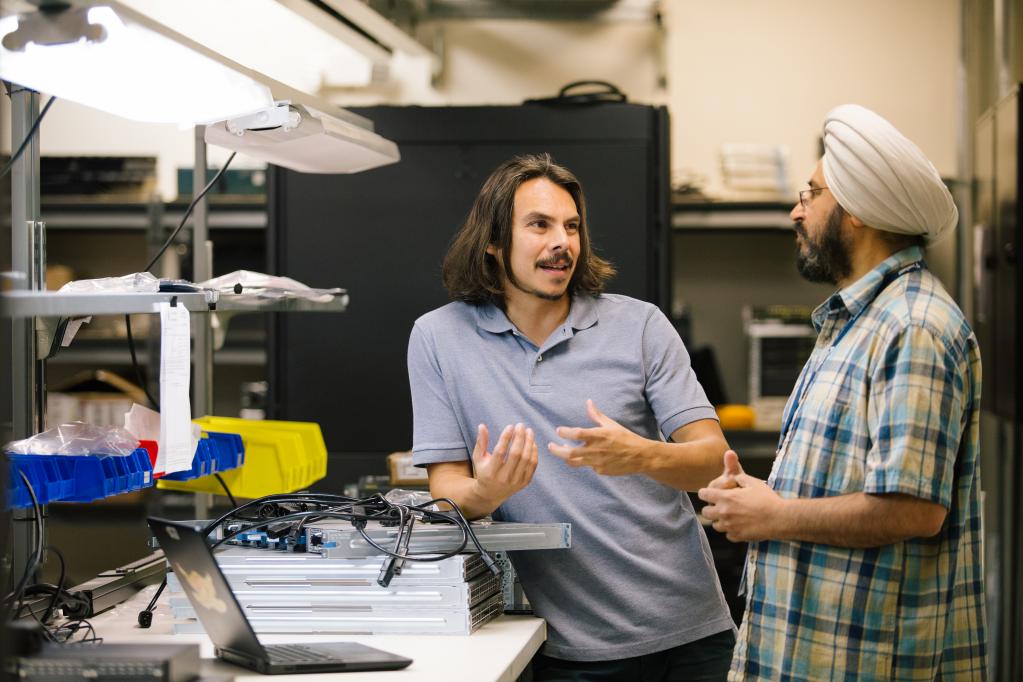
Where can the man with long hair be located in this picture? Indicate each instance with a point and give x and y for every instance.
(531, 346)
(865, 554)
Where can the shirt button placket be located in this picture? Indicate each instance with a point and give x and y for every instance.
(536, 368)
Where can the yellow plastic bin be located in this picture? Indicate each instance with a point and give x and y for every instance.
(280, 457)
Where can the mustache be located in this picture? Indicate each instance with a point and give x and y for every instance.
(798, 227)
(561, 259)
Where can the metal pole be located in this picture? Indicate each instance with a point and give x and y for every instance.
(202, 353)
(28, 263)
(25, 262)
(156, 234)
(39, 284)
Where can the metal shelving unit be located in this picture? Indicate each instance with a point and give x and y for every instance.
(113, 353)
(78, 226)
(24, 304)
(342, 141)
(731, 216)
(80, 216)
(727, 255)
(30, 309)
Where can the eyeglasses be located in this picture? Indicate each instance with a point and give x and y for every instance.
(807, 194)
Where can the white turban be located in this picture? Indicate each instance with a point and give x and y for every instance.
(878, 175)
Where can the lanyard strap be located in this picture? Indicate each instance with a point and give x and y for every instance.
(807, 378)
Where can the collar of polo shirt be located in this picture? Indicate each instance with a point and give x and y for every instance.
(581, 315)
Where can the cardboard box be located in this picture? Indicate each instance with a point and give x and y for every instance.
(403, 472)
(94, 396)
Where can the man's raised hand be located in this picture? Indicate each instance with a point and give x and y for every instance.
(509, 467)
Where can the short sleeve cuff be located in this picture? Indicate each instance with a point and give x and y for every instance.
(879, 482)
(421, 458)
(688, 416)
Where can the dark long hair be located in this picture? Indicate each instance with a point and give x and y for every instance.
(473, 275)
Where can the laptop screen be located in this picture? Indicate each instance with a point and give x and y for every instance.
(197, 570)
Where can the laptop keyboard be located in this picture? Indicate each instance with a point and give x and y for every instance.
(296, 653)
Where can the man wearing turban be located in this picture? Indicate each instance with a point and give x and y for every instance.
(865, 541)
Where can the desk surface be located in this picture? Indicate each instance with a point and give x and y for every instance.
(500, 650)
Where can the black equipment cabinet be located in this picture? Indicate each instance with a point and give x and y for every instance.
(382, 234)
(1007, 282)
(998, 293)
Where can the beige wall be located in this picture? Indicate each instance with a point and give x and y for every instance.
(767, 72)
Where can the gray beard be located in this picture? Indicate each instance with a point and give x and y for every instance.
(829, 260)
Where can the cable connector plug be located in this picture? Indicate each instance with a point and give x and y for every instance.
(450, 514)
(490, 563)
(78, 606)
(276, 532)
(391, 567)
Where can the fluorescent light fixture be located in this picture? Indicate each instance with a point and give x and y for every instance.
(311, 49)
(111, 58)
(304, 139)
(105, 55)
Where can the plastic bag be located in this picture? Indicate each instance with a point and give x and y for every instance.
(262, 285)
(76, 438)
(410, 498)
(415, 498)
(136, 282)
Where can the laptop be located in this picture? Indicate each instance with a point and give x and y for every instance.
(224, 620)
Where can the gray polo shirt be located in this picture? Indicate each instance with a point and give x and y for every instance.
(639, 577)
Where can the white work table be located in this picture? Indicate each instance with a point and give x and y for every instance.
(500, 650)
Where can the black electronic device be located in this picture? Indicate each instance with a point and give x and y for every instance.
(232, 634)
(157, 662)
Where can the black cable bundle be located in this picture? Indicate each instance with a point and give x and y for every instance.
(75, 606)
(287, 514)
(37, 555)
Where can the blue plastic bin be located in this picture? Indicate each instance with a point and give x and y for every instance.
(84, 478)
(94, 478)
(44, 477)
(215, 453)
(77, 478)
(201, 464)
(229, 449)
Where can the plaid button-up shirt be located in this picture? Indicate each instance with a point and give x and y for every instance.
(889, 405)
